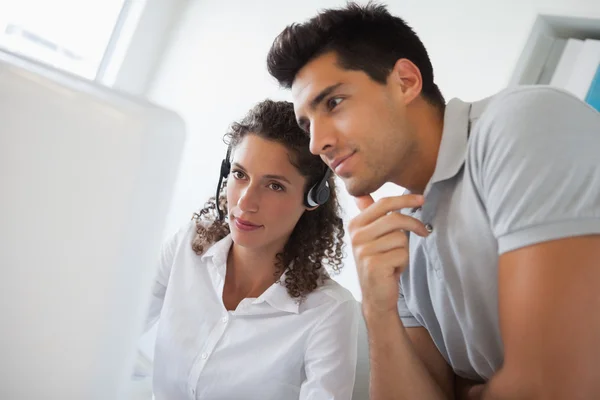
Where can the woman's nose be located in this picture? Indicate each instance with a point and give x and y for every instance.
(249, 200)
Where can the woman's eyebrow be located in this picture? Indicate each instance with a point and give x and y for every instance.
(278, 177)
(238, 165)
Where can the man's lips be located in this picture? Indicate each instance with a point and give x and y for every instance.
(338, 161)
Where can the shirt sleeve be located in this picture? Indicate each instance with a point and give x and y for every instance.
(161, 280)
(536, 164)
(407, 318)
(330, 357)
(143, 363)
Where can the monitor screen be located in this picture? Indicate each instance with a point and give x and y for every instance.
(86, 178)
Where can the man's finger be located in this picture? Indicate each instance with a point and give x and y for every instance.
(363, 202)
(386, 205)
(387, 224)
(393, 240)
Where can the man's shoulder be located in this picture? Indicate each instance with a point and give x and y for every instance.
(525, 114)
(529, 102)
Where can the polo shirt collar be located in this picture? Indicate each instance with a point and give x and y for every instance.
(453, 146)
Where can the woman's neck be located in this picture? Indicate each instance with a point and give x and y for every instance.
(249, 273)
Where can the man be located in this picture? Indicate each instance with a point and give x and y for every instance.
(500, 296)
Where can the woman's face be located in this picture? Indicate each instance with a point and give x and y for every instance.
(265, 194)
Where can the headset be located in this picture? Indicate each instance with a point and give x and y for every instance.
(316, 196)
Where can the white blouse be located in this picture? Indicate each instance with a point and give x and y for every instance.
(270, 347)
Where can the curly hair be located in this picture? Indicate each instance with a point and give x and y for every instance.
(364, 38)
(316, 243)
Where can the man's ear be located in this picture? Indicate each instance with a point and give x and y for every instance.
(406, 76)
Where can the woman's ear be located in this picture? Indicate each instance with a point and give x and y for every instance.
(311, 208)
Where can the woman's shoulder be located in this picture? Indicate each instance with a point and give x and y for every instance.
(185, 233)
(191, 238)
(329, 294)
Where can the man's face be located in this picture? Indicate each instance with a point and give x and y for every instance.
(357, 125)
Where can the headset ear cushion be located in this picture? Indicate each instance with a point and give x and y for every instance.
(225, 168)
(318, 195)
(310, 200)
(323, 194)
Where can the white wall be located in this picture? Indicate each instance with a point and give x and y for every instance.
(139, 53)
(213, 71)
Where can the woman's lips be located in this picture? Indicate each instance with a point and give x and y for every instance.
(245, 226)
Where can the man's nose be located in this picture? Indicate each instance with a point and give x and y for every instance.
(322, 137)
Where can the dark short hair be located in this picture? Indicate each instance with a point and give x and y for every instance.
(366, 38)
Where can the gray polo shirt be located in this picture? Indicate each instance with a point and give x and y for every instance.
(519, 168)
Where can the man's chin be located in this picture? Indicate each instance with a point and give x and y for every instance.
(359, 187)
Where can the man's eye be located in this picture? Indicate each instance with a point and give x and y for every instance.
(333, 102)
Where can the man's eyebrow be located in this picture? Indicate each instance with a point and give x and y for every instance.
(318, 99)
(324, 93)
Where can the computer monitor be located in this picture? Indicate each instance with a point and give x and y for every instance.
(86, 179)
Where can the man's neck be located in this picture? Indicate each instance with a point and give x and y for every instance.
(428, 124)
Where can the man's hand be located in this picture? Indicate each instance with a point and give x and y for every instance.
(405, 363)
(380, 247)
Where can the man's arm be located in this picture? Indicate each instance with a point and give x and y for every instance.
(405, 364)
(549, 299)
(535, 162)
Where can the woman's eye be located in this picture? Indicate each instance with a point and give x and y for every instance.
(238, 174)
(276, 187)
(333, 102)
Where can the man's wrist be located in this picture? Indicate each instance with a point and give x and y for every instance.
(376, 315)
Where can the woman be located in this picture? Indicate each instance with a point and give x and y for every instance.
(246, 308)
